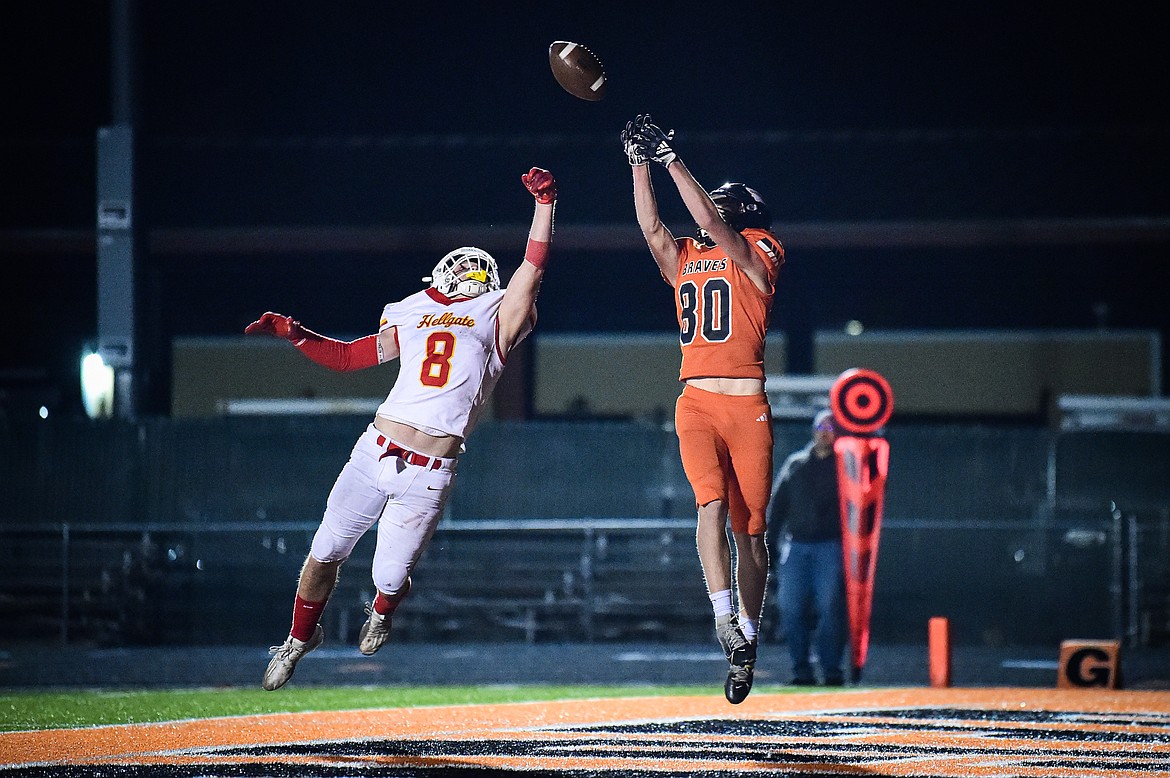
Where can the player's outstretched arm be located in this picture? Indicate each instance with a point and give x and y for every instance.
(659, 239)
(660, 149)
(519, 303)
(707, 217)
(337, 355)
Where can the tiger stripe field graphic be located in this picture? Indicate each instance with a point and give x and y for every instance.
(887, 732)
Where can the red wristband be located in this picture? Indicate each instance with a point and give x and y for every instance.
(536, 253)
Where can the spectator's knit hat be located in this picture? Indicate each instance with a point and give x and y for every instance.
(824, 417)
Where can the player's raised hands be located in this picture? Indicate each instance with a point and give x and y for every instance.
(656, 139)
(636, 146)
(541, 184)
(277, 325)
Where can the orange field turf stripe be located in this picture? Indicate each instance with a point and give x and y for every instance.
(888, 732)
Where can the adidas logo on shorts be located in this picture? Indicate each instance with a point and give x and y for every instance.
(763, 417)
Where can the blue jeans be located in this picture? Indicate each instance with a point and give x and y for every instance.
(812, 574)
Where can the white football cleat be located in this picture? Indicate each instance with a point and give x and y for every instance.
(286, 656)
(374, 632)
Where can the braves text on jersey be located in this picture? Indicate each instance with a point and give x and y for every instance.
(722, 315)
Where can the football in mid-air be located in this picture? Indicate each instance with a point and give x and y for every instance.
(577, 70)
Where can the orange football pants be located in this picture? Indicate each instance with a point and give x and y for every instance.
(726, 446)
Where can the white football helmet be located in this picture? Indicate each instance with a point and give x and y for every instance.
(465, 272)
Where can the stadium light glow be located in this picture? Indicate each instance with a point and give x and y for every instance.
(97, 387)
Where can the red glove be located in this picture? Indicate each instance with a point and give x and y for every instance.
(277, 325)
(540, 182)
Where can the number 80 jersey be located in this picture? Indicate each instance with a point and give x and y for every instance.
(722, 316)
(449, 360)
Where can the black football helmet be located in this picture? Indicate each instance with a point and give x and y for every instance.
(741, 207)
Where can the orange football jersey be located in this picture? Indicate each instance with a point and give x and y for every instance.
(722, 316)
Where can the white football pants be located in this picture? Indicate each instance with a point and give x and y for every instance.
(405, 501)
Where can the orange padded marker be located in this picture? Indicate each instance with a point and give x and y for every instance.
(939, 631)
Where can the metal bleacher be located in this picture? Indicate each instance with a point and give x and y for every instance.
(168, 532)
(529, 580)
(543, 580)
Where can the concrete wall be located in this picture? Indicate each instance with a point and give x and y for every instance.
(621, 374)
(209, 373)
(997, 372)
(959, 373)
(627, 374)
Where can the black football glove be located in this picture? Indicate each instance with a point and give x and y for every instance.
(637, 148)
(658, 141)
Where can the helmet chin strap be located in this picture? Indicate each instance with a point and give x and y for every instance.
(704, 238)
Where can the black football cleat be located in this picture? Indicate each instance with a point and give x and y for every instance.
(741, 655)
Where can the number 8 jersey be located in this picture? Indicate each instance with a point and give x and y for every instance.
(722, 315)
(449, 360)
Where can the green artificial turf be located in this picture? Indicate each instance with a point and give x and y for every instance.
(25, 710)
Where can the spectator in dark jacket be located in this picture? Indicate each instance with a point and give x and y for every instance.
(804, 529)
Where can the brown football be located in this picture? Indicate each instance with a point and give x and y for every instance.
(577, 70)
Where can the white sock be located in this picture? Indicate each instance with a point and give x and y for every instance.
(721, 604)
(747, 626)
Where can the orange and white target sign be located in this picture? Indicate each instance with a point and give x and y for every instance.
(861, 401)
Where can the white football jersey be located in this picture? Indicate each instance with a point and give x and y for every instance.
(449, 363)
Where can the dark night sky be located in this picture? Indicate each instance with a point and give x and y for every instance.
(216, 74)
(216, 67)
